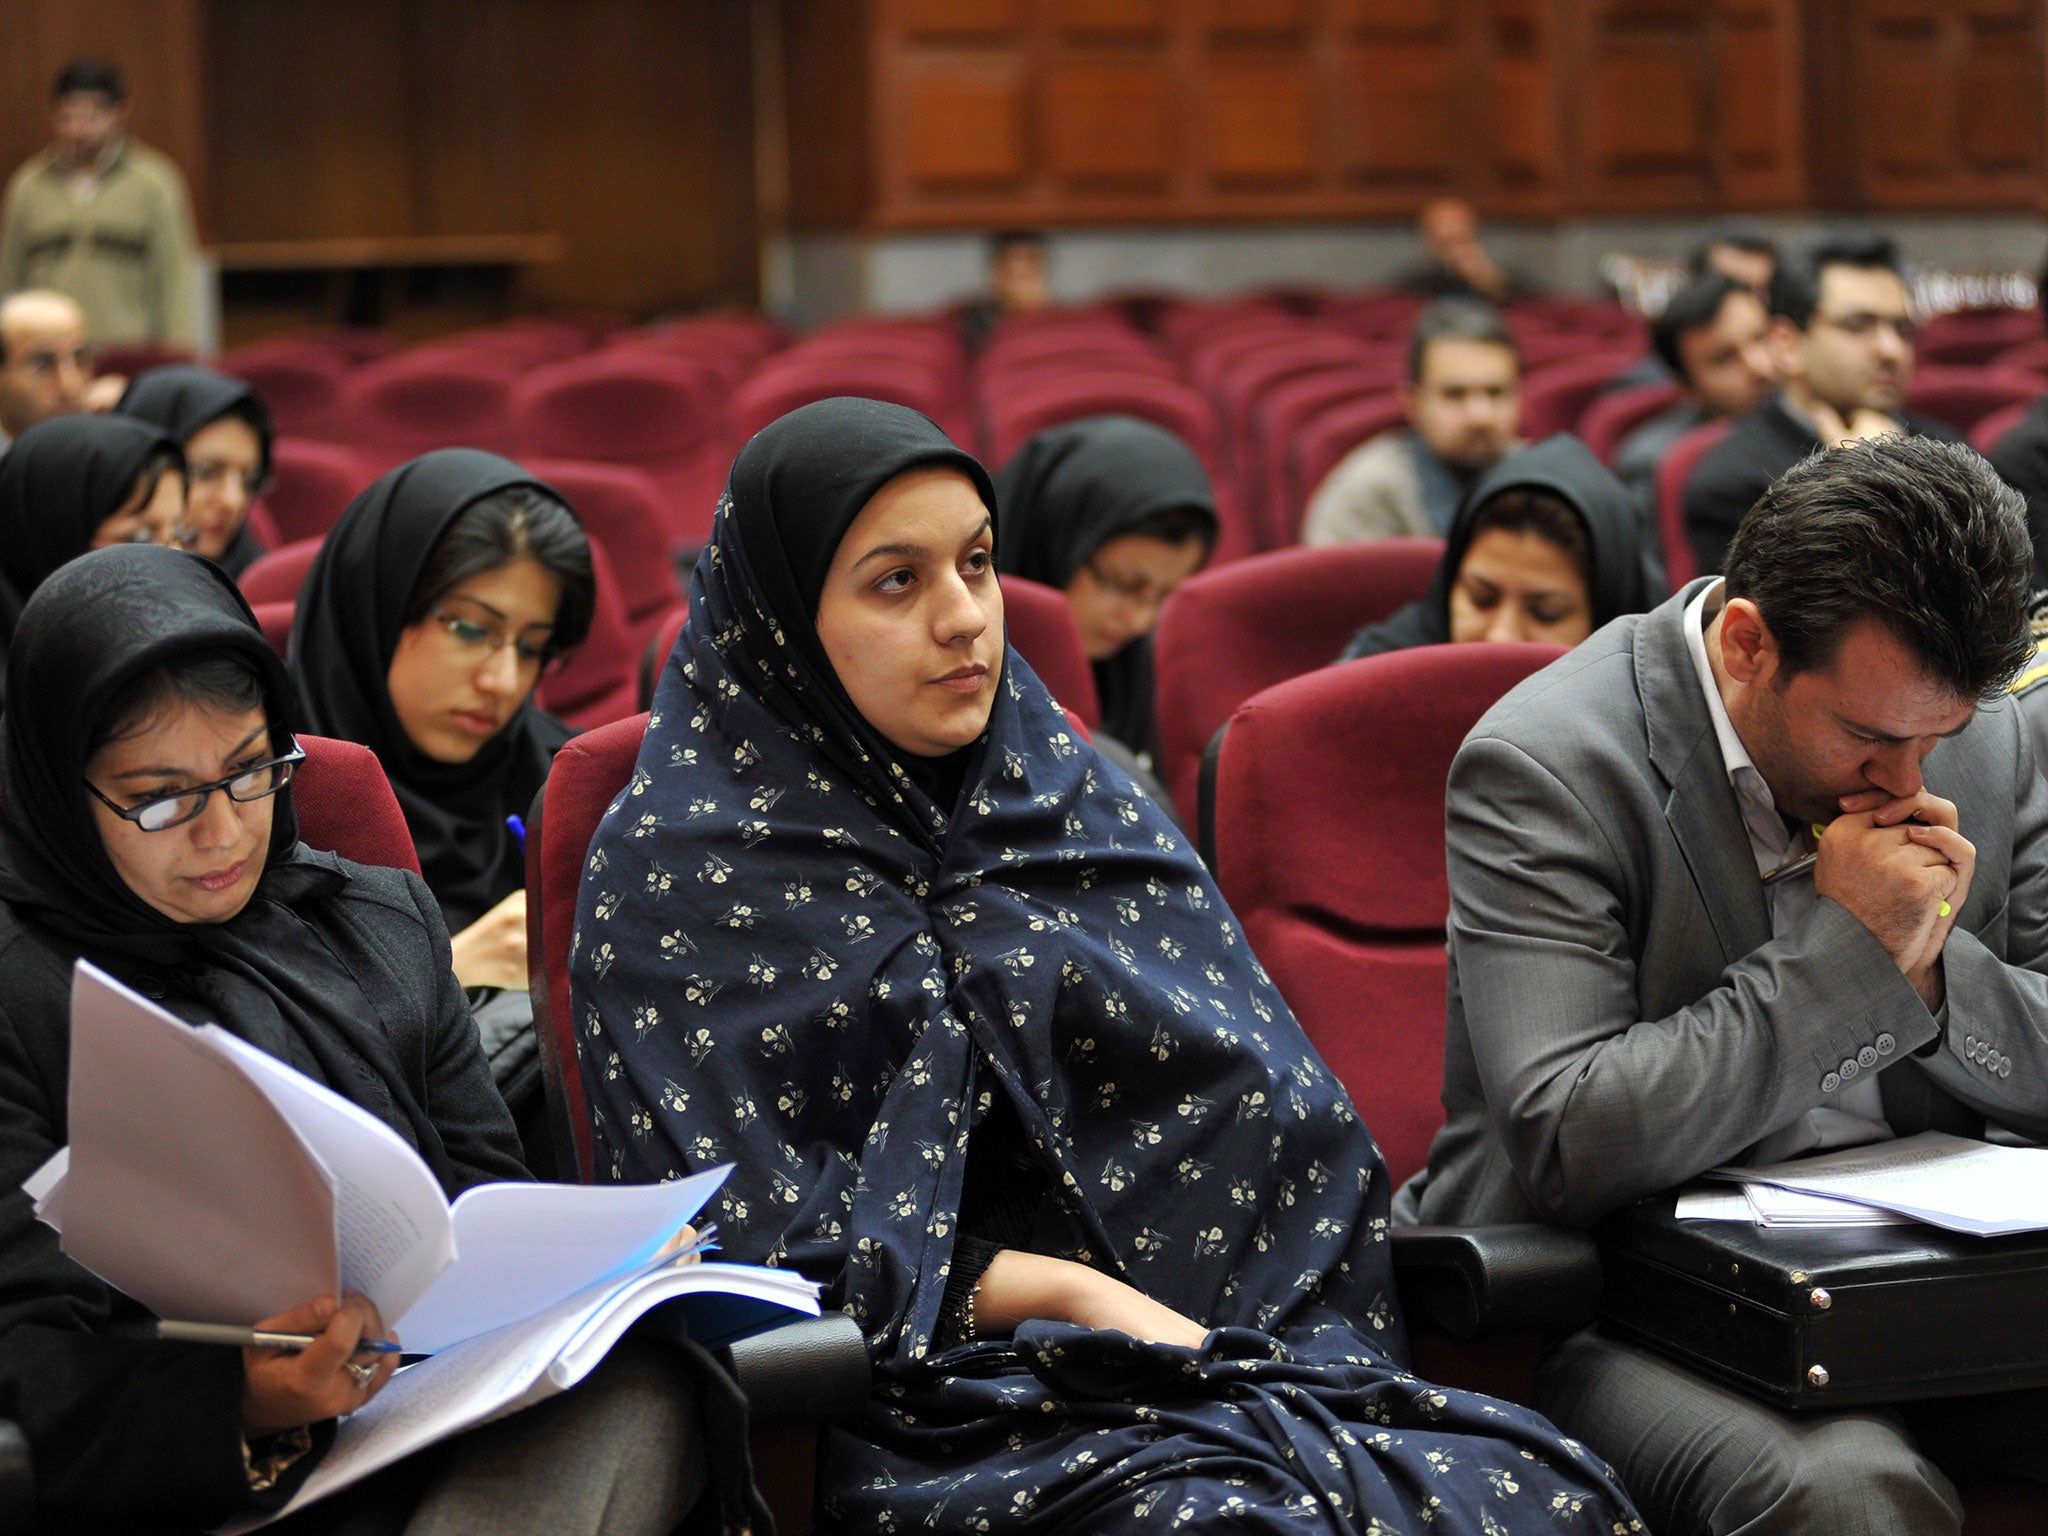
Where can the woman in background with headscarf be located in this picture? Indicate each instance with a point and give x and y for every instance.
(81, 482)
(225, 431)
(1116, 513)
(437, 602)
(1543, 548)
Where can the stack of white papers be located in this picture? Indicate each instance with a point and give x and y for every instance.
(1766, 1205)
(1945, 1181)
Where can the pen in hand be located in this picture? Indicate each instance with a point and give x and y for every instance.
(252, 1338)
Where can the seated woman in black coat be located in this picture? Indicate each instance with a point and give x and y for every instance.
(1543, 548)
(437, 603)
(148, 827)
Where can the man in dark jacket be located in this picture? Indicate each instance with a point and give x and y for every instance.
(1841, 343)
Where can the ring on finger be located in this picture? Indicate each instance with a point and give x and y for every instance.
(361, 1371)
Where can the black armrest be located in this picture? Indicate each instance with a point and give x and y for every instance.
(807, 1372)
(17, 1479)
(1476, 1281)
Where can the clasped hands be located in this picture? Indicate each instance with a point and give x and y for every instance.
(1902, 868)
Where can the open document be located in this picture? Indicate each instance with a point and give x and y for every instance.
(1945, 1181)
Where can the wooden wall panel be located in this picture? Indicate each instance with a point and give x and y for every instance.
(1259, 123)
(1109, 124)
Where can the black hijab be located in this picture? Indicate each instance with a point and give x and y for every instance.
(266, 974)
(351, 609)
(59, 481)
(1073, 488)
(796, 488)
(181, 399)
(1563, 466)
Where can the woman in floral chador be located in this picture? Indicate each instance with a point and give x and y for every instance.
(873, 921)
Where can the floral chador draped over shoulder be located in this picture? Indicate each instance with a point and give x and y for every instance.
(797, 951)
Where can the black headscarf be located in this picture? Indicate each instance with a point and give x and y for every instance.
(181, 399)
(265, 974)
(1563, 466)
(59, 481)
(1073, 488)
(800, 482)
(351, 609)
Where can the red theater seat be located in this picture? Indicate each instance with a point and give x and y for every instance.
(1962, 397)
(277, 576)
(1555, 396)
(1607, 422)
(791, 379)
(311, 485)
(662, 416)
(432, 397)
(620, 510)
(1677, 468)
(1234, 631)
(1328, 828)
(346, 806)
(299, 382)
(1041, 627)
(1325, 439)
(600, 682)
(1028, 409)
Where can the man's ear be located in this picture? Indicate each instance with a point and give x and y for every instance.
(1785, 344)
(1749, 651)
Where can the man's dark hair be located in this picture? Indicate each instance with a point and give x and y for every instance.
(1003, 239)
(1693, 308)
(1795, 281)
(1457, 320)
(95, 75)
(1919, 534)
(1741, 237)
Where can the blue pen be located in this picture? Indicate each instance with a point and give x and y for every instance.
(518, 830)
(250, 1338)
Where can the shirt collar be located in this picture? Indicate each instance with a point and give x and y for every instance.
(1768, 835)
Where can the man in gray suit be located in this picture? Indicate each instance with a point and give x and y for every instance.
(1630, 1004)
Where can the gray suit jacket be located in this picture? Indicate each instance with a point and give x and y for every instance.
(1620, 1016)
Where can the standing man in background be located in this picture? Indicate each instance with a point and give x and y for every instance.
(103, 218)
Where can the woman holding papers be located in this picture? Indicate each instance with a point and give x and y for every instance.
(146, 825)
(993, 1059)
(437, 602)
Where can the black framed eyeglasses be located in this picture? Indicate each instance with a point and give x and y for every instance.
(480, 638)
(164, 812)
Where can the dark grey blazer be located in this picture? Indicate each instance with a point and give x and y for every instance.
(1620, 1016)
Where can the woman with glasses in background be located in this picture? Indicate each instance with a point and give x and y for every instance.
(226, 433)
(74, 483)
(436, 604)
(1116, 513)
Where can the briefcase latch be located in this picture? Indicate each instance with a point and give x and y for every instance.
(1816, 1375)
(1819, 1299)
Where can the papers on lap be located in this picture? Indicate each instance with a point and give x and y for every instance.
(1945, 1181)
(213, 1183)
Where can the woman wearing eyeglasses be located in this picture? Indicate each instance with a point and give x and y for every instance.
(439, 599)
(74, 483)
(226, 434)
(1116, 513)
(146, 825)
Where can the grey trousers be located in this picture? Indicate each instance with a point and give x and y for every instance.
(1699, 1457)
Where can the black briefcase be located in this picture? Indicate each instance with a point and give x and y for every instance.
(1831, 1317)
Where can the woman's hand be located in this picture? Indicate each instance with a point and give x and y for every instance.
(685, 1236)
(1018, 1286)
(491, 952)
(282, 1388)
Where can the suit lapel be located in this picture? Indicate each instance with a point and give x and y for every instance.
(1701, 809)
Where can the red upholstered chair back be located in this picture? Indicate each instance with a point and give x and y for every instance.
(620, 508)
(730, 344)
(1556, 395)
(662, 415)
(1228, 633)
(299, 382)
(1277, 420)
(346, 806)
(1329, 847)
(1028, 409)
(1962, 397)
(1672, 474)
(600, 682)
(587, 774)
(1986, 434)
(655, 657)
(1041, 627)
(1965, 337)
(1608, 420)
(275, 620)
(2029, 356)
(128, 358)
(277, 576)
(432, 397)
(311, 484)
(794, 378)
